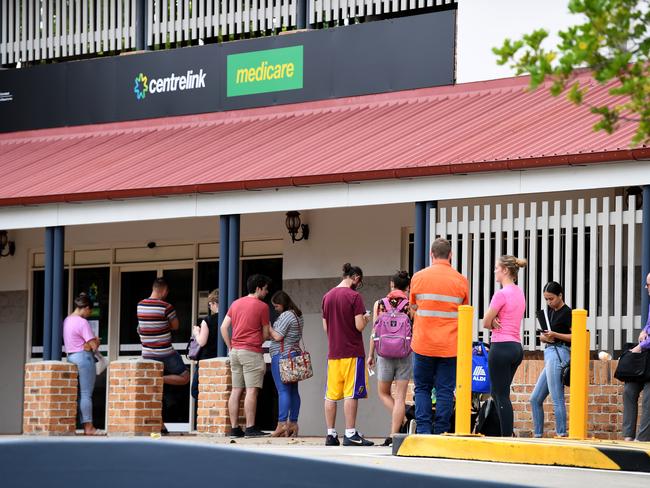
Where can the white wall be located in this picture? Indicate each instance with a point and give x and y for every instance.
(14, 269)
(369, 237)
(483, 25)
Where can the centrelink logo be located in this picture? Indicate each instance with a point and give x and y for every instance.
(479, 373)
(188, 81)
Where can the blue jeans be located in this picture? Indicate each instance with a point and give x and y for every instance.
(194, 389)
(86, 365)
(430, 372)
(551, 381)
(288, 396)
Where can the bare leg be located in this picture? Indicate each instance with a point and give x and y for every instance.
(386, 398)
(350, 408)
(330, 414)
(399, 409)
(250, 406)
(177, 379)
(233, 406)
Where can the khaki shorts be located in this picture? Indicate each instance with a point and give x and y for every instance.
(248, 368)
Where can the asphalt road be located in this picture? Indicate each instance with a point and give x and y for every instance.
(380, 457)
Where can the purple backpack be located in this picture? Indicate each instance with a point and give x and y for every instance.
(392, 331)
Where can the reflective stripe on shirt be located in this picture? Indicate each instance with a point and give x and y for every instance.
(438, 298)
(436, 313)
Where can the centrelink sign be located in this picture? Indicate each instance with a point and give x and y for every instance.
(318, 64)
(143, 85)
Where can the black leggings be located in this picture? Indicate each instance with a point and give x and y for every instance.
(503, 360)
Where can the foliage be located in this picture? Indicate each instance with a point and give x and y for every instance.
(613, 44)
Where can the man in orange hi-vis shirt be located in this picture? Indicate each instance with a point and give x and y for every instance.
(436, 294)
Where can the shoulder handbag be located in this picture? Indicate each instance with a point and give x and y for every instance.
(193, 349)
(565, 374)
(101, 363)
(633, 367)
(295, 364)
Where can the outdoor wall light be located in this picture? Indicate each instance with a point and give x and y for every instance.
(294, 226)
(7, 247)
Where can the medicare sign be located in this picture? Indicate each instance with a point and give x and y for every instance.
(266, 71)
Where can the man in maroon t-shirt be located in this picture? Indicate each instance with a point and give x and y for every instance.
(344, 318)
(249, 317)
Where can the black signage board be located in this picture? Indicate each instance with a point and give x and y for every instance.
(375, 57)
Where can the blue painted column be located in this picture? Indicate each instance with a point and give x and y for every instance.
(233, 259)
(419, 239)
(645, 253)
(427, 233)
(57, 292)
(47, 291)
(224, 229)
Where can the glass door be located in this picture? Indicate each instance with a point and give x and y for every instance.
(95, 282)
(135, 285)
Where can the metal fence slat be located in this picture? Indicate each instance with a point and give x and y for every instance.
(617, 220)
(604, 289)
(4, 23)
(30, 30)
(186, 20)
(630, 291)
(475, 229)
(568, 252)
(487, 248)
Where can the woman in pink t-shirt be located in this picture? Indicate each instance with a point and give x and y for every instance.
(80, 345)
(504, 318)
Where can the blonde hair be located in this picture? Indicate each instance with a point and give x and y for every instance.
(512, 265)
(213, 297)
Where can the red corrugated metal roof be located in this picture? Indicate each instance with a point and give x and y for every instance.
(487, 126)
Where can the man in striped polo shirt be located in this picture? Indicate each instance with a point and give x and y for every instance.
(156, 320)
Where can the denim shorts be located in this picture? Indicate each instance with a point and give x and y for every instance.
(173, 364)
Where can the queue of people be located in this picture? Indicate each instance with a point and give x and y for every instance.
(421, 317)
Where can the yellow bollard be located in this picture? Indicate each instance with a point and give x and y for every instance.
(588, 362)
(579, 374)
(464, 371)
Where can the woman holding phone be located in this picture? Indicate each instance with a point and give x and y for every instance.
(555, 324)
(80, 346)
(504, 318)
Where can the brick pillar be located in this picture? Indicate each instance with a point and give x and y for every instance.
(135, 397)
(215, 384)
(50, 403)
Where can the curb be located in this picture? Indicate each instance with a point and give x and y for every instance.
(594, 454)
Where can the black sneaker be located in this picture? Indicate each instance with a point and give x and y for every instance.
(332, 440)
(388, 442)
(356, 440)
(236, 432)
(253, 432)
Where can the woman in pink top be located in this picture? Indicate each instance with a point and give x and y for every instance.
(80, 345)
(503, 318)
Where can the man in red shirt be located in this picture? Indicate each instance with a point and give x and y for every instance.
(344, 318)
(249, 317)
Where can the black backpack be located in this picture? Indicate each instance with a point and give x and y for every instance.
(487, 421)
